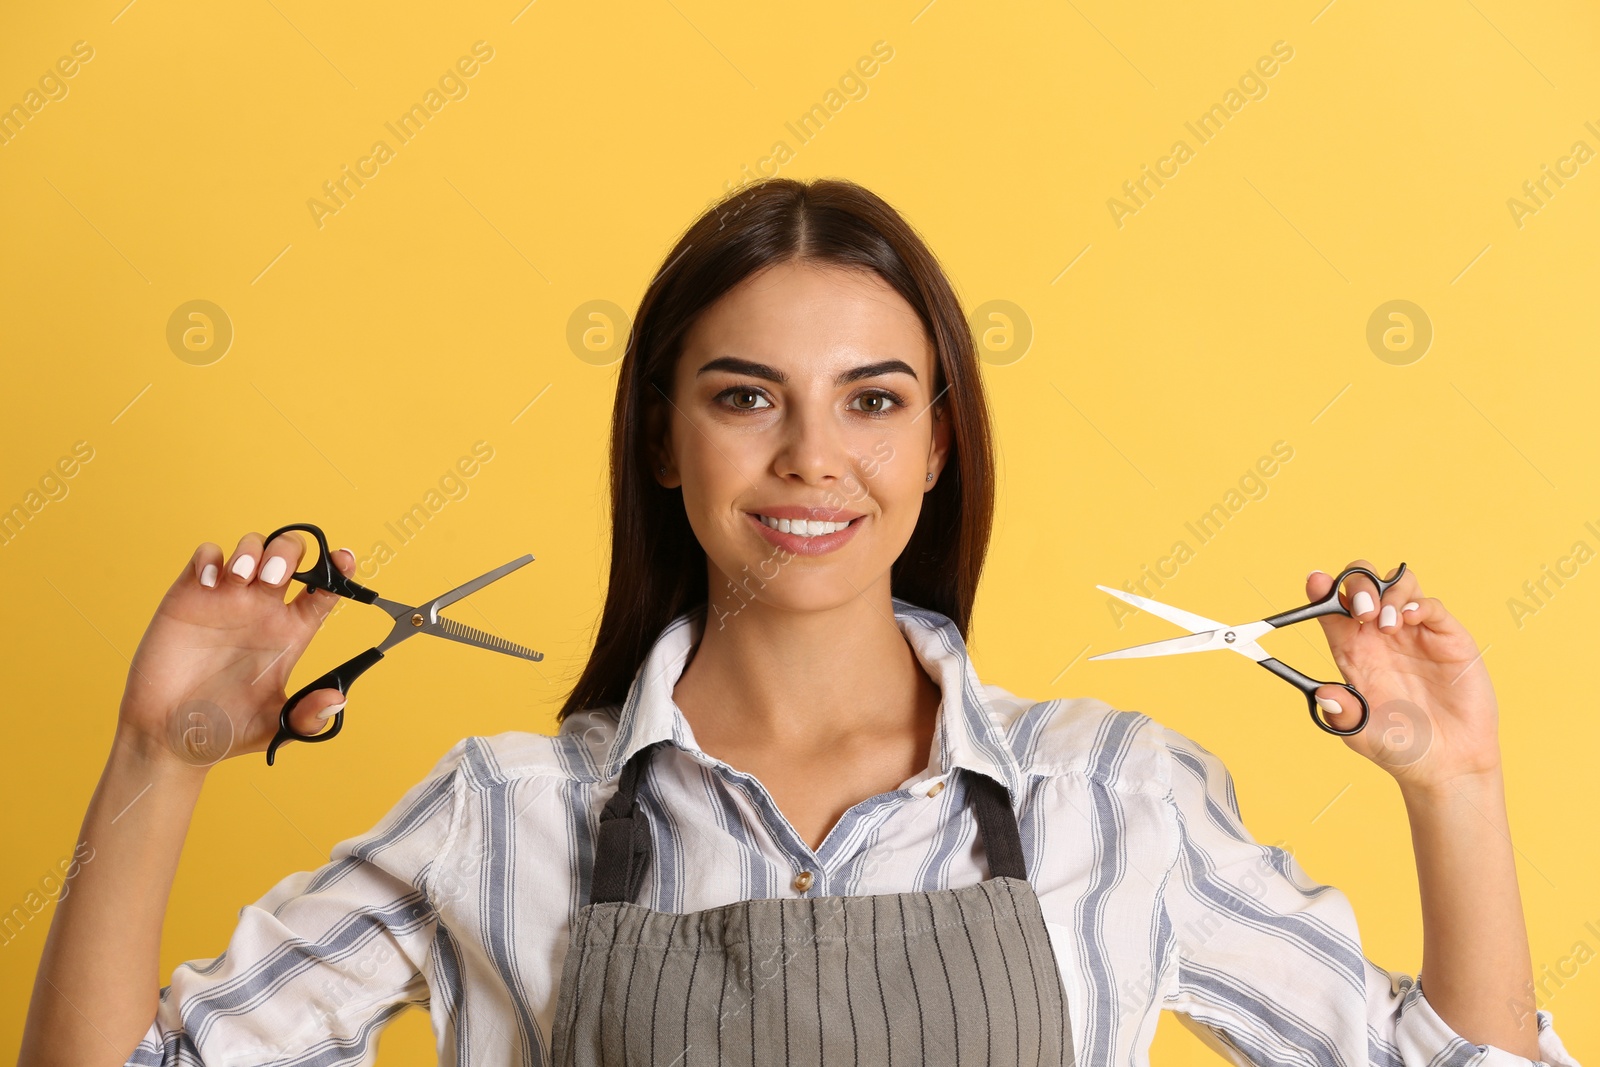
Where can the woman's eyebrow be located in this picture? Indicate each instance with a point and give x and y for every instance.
(735, 365)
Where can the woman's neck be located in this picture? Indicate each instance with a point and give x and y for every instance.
(825, 709)
(805, 683)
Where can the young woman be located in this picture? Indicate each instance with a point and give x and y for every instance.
(782, 819)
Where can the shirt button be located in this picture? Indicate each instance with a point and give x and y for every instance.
(935, 789)
(803, 880)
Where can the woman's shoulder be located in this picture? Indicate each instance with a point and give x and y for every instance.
(575, 752)
(1085, 736)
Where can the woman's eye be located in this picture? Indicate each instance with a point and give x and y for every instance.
(740, 395)
(884, 402)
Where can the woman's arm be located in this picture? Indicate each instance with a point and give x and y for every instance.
(1476, 967)
(95, 992)
(206, 682)
(1267, 966)
(1434, 727)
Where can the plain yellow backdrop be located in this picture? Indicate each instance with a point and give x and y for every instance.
(1140, 360)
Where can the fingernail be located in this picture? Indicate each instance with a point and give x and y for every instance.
(1388, 615)
(349, 550)
(208, 575)
(1362, 603)
(1412, 606)
(1329, 706)
(272, 572)
(328, 713)
(244, 567)
(1312, 575)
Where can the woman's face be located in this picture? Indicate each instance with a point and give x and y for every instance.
(804, 387)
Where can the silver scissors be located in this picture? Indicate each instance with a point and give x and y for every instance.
(1206, 635)
(408, 619)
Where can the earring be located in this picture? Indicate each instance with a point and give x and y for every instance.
(929, 478)
(663, 470)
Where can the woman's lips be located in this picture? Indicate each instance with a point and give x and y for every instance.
(799, 545)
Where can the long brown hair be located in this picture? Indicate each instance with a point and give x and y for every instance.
(658, 569)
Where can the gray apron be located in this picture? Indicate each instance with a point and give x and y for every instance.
(952, 976)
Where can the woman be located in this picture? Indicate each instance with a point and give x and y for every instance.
(782, 818)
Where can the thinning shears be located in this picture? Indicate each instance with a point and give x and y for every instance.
(1206, 635)
(408, 620)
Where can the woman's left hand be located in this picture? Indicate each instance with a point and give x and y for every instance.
(1433, 709)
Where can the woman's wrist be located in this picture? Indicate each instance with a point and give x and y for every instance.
(1477, 787)
(144, 756)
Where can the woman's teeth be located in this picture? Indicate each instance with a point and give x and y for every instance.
(802, 527)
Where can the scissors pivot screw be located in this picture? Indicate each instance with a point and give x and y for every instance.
(416, 620)
(1230, 637)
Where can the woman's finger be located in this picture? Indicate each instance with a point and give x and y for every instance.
(1360, 594)
(1408, 590)
(280, 558)
(315, 711)
(1339, 706)
(206, 565)
(241, 566)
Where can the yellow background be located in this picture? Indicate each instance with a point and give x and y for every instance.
(432, 310)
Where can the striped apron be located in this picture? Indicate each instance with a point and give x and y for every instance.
(952, 976)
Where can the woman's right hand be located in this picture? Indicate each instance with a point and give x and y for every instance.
(209, 677)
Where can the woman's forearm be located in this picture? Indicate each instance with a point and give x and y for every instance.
(99, 978)
(1476, 969)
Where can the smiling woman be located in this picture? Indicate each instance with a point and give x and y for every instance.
(817, 309)
(808, 830)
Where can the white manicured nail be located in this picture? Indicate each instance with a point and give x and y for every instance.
(244, 567)
(272, 571)
(328, 713)
(1362, 603)
(1388, 615)
(208, 575)
(1411, 606)
(1329, 706)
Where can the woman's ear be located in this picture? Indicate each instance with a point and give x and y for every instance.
(939, 447)
(658, 447)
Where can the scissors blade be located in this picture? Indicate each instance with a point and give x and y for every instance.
(1171, 646)
(467, 635)
(1186, 619)
(433, 606)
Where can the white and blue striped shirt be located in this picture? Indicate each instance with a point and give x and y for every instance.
(1156, 897)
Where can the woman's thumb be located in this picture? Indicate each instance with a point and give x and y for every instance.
(316, 710)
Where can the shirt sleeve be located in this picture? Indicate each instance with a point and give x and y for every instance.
(1265, 964)
(321, 963)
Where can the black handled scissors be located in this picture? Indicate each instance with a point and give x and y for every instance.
(420, 619)
(1207, 635)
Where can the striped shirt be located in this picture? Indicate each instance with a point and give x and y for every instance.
(1155, 896)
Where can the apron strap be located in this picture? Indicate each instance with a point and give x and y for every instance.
(622, 849)
(997, 825)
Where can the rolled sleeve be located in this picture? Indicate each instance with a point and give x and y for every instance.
(1421, 1033)
(1266, 965)
(325, 959)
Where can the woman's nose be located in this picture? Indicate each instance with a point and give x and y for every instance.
(813, 446)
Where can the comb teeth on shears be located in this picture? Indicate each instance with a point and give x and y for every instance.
(498, 644)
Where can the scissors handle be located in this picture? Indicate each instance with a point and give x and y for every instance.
(322, 574)
(339, 678)
(1308, 685)
(1328, 605)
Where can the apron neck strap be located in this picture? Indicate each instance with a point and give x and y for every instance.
(622, 849)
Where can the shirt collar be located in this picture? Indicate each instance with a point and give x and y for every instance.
(968, 733)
